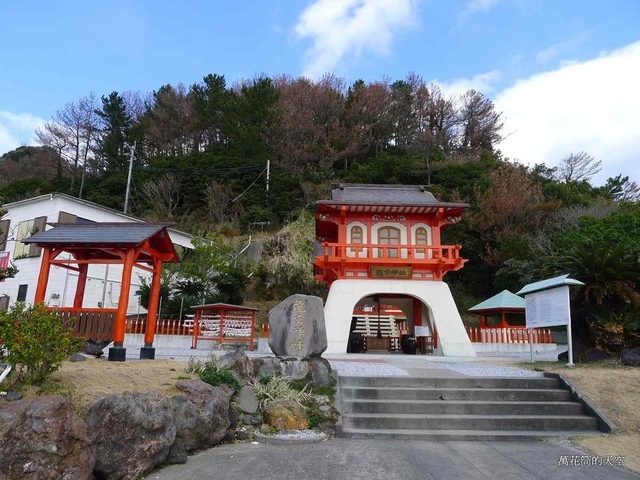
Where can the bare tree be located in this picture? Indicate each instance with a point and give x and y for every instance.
(578, 167)
(480, 124)
(220, 205)
(163, 196)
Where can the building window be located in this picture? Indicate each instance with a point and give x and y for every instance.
(388, 236)
(22, 293)
(25, 230)
(356, 235)
(4, 233)
(421, 239)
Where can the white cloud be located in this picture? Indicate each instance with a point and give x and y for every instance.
(481, 82)
(341, 28)
(562, 47)
(16, 129)
(591, 106)
(477, 6)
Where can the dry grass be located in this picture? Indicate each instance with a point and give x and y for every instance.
(85, 382)
(615, 391)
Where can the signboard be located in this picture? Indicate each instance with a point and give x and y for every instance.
(390, 272)
(422, 331)
(547, 308)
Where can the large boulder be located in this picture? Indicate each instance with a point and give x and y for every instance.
(295, 368)
(247, 401)
(43, 438)
(320, 372)
(201, 414)
(297, 327)
(267, 367)
(286, 414)
(238, 364)
(630, 357)
(130, 434)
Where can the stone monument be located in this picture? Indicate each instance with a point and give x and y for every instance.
(297, 327)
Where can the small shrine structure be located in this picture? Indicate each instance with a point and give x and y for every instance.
(382, 244)
(500, 305)
(505, 306)
(142, 245)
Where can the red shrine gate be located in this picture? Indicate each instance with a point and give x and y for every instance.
(142, 245)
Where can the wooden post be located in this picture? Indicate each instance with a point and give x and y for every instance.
(154, 298)
(196, 328)
(82, 283)
(123, 301)
(43, 278)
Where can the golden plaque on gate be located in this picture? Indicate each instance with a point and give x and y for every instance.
(390, 272)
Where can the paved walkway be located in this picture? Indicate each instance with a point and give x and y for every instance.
(349, 459)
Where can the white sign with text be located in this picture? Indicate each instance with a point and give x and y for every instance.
(548, 308)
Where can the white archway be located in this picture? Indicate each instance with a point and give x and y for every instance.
(344, 295)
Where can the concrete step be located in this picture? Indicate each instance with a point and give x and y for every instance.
(484, 394)
(468, 407)
(405, 421)
(462, 435)
(452, 382)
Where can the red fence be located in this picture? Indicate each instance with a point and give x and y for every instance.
(509, 335)
(167, 326)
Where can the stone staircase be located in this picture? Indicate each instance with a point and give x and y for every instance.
(464, 408)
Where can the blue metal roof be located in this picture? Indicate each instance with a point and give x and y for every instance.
(505, 300)
(549, 283)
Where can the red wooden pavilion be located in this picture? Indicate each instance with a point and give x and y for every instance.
(143, 245)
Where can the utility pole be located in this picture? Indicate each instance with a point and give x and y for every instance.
(268, 176)
(132, 151)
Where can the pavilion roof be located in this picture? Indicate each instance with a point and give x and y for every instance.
(99, 240)
(505, 300)
(359, 197)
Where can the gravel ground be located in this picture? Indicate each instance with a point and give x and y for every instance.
(483, 370)
(472, 369)
(365, 369)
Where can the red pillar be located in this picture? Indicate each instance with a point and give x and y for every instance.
(504, 321)
(417, 312)
(154, 298)
(82, 283)
(123, 301)
(43, 278)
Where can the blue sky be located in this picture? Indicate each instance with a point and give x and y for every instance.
(564, 73)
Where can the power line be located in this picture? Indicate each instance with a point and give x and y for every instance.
(214, 171)
(252, 184)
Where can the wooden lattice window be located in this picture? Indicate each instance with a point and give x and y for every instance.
(389, 236)
(357, 235)
(421, 239)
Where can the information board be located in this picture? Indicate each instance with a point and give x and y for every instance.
(547, 308)
(421, 331)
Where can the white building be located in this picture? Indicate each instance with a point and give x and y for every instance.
(26, 217)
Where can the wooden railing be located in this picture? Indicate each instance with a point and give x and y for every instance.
(370, 252)
(508, 335)
(89, 323)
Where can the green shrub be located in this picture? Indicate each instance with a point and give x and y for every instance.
(217, 377)
(36, 341)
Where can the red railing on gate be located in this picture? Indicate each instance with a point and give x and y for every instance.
(509, 335)
(89, 323)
